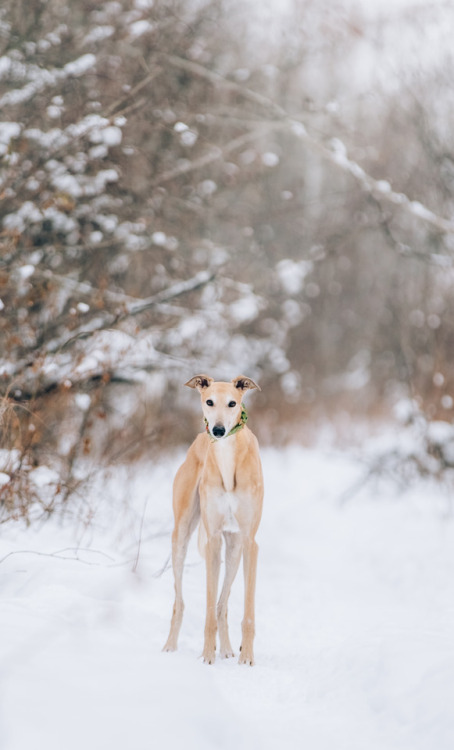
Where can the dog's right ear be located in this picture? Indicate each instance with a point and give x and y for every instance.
(200, 382)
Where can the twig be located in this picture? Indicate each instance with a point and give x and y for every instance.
(111, 109)
(136, 562)
(60, 556)
(162, 570)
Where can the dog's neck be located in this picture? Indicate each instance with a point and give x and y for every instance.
(225, 452)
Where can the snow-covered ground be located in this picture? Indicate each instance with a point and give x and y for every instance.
(355, 622)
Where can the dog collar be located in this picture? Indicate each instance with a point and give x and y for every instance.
(237, 428)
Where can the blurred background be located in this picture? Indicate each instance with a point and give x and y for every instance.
(220, 187)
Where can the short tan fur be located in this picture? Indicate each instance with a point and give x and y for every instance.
(220, 486)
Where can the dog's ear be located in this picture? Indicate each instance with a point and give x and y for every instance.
(244, 383)
(200, 382)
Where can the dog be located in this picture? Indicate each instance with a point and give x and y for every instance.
(219, 486)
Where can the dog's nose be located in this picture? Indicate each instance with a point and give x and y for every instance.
(218, 431)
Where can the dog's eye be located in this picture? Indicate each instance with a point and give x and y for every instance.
(209, 402)
(232, 404)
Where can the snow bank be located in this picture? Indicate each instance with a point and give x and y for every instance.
(355, 623)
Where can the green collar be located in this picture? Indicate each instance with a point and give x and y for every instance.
(237, 428)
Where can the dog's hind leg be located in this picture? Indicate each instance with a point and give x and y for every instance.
(233, 550)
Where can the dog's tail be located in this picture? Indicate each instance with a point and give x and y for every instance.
(202, 539)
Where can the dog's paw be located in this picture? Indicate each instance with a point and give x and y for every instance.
(209, 655)
(226, 653)
(246, 657)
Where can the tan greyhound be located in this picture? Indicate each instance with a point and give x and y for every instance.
(219, 484)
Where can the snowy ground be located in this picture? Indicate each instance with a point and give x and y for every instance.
(355, 623)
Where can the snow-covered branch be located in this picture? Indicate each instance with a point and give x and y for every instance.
(40, 375)
(131, 309)
(48, 78)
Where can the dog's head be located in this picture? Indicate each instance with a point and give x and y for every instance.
(221, 402)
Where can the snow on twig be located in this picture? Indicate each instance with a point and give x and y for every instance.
(48, 78)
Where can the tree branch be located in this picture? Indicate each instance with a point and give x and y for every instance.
(132, 309)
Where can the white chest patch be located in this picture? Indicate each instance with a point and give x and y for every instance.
(225, 458)
(226, 505)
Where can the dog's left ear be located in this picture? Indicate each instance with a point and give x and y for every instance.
(244, 383)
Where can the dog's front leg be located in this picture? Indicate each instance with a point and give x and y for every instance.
(250, 553)
(213, 561)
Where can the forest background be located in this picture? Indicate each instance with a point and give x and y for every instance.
(220, 187)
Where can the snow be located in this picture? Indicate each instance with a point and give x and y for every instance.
(207, 187)
(9, 459)
(139, 28)
(245, 309)
(440, 432)
(419, 210)
(98, 34)
(43, 475)
(5, 66)
(355, 621)
(188, 138)
(80, 66)
(111, 350)
(270, 159)
(292, 274)
(47, 78)
(109, 135)
(159, 238)
(28, 212)
(26, 271)
(83, 401)
(8, 131)
(53, 111)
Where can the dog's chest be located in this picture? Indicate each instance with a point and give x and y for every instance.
(225, 459)
(226, 505)
(226, 501)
